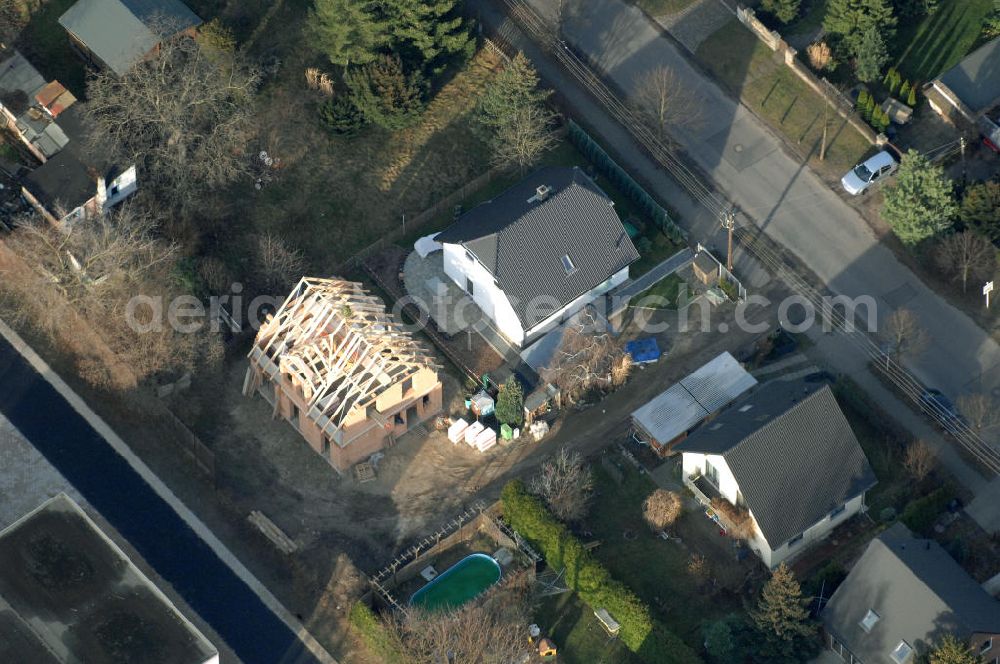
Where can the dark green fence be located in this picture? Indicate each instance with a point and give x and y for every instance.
(610, 169)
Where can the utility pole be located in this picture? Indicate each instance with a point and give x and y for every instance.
(729, 223)
(826, 127)
(961, 146)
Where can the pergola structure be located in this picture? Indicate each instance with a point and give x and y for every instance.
(343, 371)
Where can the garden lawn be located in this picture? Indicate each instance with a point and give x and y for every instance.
(667, 289)
(579, 637)
(940, 40)
(655, 569)
(750, 71)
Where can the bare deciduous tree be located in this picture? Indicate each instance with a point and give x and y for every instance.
(488, 630)
(661, 509)
(585, 361)
(564, 483)
(904, 334)
(183, 116)
(982, 411)
(662, 100)
(965, 256)
(87, 274)
(524, 137)
(920, 459)
(699, 567)
(276, 265)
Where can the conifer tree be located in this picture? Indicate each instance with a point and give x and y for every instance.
(787, 634)
(347, 31)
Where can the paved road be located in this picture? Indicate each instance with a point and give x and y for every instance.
(114, 487)
(781, 195)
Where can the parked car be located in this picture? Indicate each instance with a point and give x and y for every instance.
(864, 175)
(935, 403)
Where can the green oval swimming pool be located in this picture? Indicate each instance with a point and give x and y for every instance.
(459, 583)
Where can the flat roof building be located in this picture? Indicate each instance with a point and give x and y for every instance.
(69, 595)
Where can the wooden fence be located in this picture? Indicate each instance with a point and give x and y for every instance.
(840, 103)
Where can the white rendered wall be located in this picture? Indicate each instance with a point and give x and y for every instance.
(486, 294)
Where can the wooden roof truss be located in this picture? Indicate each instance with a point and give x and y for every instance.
(339, 346)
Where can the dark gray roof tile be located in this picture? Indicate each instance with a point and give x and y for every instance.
(792, 452)
(522, 240)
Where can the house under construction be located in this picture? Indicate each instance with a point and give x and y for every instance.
(346, 375)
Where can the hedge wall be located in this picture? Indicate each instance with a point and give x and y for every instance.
(640, 632)
(374, 634)
(920, 515)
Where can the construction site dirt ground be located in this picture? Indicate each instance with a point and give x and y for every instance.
(422, 482)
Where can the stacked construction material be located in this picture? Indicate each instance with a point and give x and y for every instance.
(472, 432)
(456, 432)
(486, 439)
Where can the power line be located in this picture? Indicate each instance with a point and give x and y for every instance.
(539, 30)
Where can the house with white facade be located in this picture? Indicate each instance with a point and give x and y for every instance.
(786, 454)
(902, 597)
(74, 180)
(538, 253)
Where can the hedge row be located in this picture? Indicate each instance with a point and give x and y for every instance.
(640, 632)
(374, 633)
(603, 162)
(920, 515)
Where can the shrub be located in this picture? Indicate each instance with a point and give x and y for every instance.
(911, 99)
(642, 634)
(374, 633)
(920, 515)
(904, 90)
(510, 403)
(661, 509)
(341, 116)
(820, 56)
(740, 522)
(385, 94)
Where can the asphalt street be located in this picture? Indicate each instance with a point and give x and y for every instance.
(774, 190)
(154, 528)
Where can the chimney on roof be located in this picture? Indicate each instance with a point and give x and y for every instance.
(541, 193)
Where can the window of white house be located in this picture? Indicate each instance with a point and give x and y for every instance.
(795, 540)
(567, 263)
(869, 620)
(837, 512)
(987, 646)
(901, 653)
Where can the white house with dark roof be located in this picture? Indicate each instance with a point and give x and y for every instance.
(901, 597)
(785, 453)
(970, 88)
(538, 253)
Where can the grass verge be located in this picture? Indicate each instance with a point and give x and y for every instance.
(665, 293)
(754, 74)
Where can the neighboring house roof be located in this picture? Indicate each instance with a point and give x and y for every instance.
(22, 91)
(976, 79)
(120, 32)
(523, 239)
(695, 397)
(792, 452)
(918, 592)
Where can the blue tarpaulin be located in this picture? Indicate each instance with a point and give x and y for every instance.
(643, 351)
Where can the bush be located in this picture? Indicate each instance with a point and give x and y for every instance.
(640, 632)
(374, 633)
(911, 99)
(385, 94)
(341, 116)
(920, 515)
